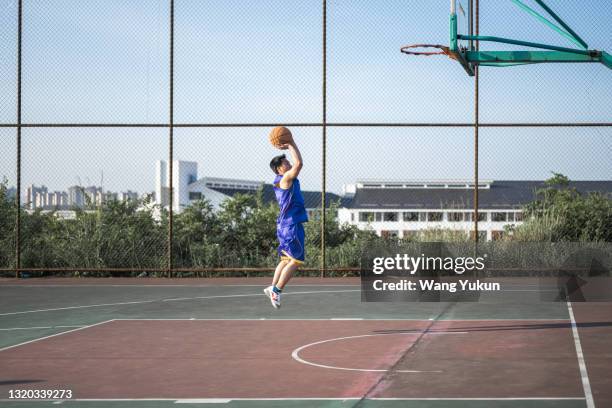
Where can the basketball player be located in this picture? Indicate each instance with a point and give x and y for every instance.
(289, 228)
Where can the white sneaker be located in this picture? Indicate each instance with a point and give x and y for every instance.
(274, 297)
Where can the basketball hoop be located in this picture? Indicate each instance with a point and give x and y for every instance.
(415, 49)
(463, 44)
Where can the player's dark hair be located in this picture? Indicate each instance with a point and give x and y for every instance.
(276, 162)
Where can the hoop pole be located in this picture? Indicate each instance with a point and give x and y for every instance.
(471, 23)
(453, 28)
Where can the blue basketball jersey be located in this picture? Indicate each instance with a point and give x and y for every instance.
(291, 203)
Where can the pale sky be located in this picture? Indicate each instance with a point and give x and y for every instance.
(106, 61)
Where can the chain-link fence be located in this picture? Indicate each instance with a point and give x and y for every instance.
(135, 133)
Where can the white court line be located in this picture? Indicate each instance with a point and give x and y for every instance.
(259, 294)
(78, 307)
(170, 286)
(586, 385)
(171, 300)
(206, 400)
(240, 286)
(228, 400)
(368, 319)
(296, 353)
(54, 335)
(37, 328)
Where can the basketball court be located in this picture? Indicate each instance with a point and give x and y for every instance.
(130, 342)
(140, 342)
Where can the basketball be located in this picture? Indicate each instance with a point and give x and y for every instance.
(280, 135)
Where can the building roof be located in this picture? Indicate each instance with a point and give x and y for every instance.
(312, 199)
(501, 194)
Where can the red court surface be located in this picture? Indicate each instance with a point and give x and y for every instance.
(594, 325)
(314, 358)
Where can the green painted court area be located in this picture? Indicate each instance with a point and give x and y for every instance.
(48, 308)
(78, 334)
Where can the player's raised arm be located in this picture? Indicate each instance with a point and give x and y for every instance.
(296, 157)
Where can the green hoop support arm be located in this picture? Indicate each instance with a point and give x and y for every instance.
(555, 53)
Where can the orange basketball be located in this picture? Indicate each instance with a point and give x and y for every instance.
(280, 135)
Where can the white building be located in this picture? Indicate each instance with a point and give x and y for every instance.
(94, 195)
(40, 197)
(36, 197)
(57, 199)
(125, 196)
(407, 208)
(188, 188)
(76, 196)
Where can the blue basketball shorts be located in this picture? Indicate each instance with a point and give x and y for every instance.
(291, 242)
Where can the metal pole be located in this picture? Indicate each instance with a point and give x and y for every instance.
(18, 195)
(311, 124)
(171, 142)
(476, 120)
(324, 141)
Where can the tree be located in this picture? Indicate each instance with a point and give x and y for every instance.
(248, 230)
(196, 233)
(8, 217)
(562, 213)
(344, 243)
